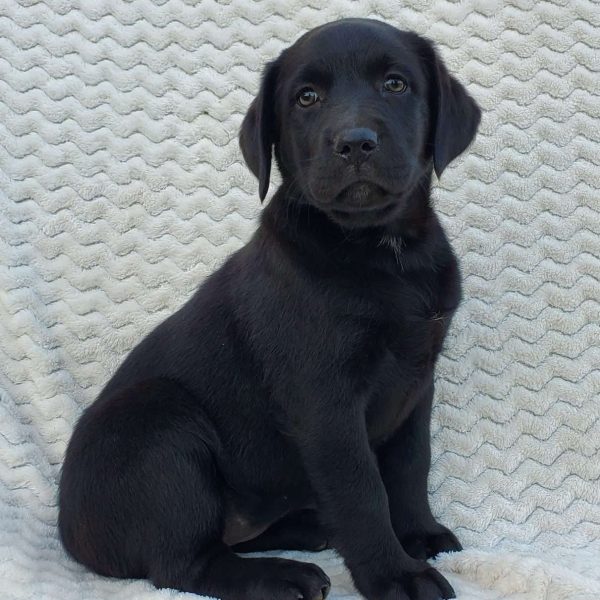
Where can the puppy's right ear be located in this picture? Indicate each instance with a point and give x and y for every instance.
(259, 129)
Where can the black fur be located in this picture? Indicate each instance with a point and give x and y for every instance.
(287, 404)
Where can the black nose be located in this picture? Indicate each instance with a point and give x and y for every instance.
(355, 145)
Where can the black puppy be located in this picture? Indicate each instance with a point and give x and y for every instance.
(287, 404)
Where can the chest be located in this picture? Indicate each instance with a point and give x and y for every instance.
(412, 337)
(404, 374)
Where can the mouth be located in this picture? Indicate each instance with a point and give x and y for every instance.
(380, 210)
(363, 199)
(364, 205)
(358, 196)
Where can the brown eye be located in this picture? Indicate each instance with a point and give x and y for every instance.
(394, 84)
(307, 97)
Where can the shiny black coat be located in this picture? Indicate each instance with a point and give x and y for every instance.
(287, 403)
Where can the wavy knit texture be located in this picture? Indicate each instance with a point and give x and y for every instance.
(122, 187)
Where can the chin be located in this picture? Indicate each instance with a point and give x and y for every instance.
(363, 204)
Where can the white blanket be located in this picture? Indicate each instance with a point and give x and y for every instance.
(122, 187)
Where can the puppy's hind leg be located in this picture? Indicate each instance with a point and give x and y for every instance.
(203, 564)
(200, 562)
(207, 566)
(141, 496)
(404, 463)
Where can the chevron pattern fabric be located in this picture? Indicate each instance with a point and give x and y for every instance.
(122, 186)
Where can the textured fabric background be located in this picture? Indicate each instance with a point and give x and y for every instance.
(122, 187)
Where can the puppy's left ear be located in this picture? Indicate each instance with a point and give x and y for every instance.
(455, 114)
(259, 129)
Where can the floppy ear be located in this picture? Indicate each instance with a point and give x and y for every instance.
(455, 115)
(259, 130)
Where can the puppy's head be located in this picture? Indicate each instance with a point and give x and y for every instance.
(357, 113)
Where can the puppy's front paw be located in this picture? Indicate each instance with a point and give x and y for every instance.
(404, 579)
(425, 584)
(427, 544)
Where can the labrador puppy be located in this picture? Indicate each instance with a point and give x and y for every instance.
(287, 404)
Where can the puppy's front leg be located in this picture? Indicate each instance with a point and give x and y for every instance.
(353, 506)
(404, 463)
